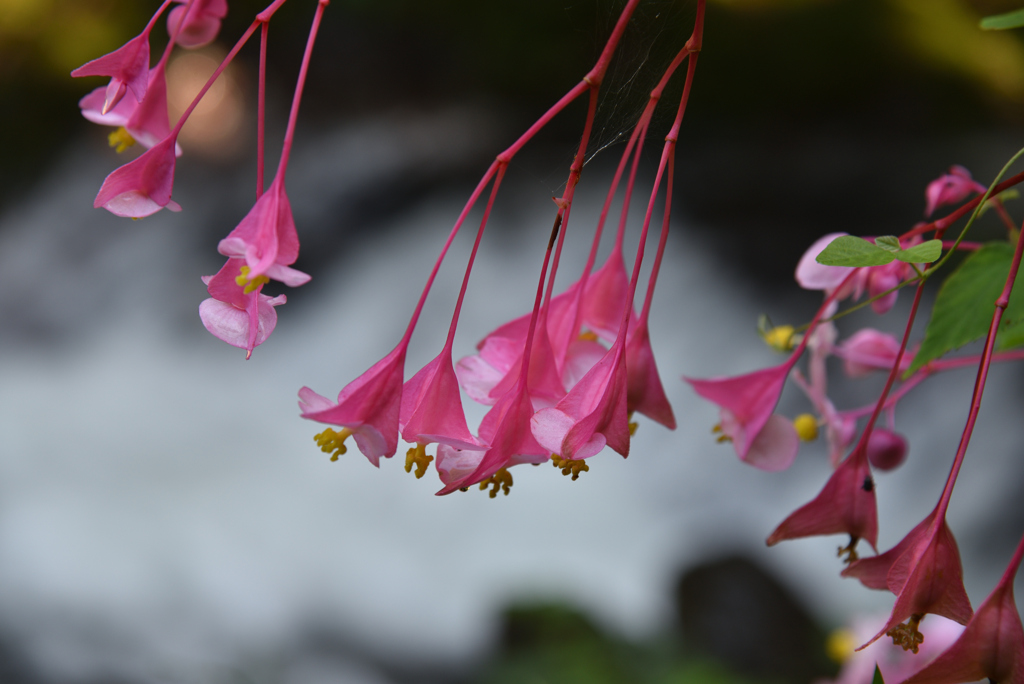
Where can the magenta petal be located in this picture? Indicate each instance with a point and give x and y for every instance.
(646, 395)
(267, 232)
(128, 65)
(845, 505)
(142, 186)
(873, 572)
(750, 398)
(431, 409)
(202, 25)
(605, 297)
(369, 406)
(92, 108)
(149, 123)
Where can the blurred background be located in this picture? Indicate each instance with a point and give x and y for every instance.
(165, 515)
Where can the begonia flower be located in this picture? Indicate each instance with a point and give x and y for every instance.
(201, 25)
(368, 408)
(235, 315)
(645, 393)
(868, 350)
(951, 188)
(811, 275)
(846, 504)
(593, 414)
(142, 186)
(266, 238)
(926, 577)
(894, 663)
(991, 646)
(146, 123)
(431, 409)
(746, 403)
(128, 68)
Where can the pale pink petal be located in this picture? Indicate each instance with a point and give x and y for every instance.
(774, 449)
(142, 186)
(814, 276)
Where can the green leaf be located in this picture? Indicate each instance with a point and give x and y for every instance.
(878, 677)
(966, 301)
(998, 22)
(890, 243)
(848, 250)
(924, 253)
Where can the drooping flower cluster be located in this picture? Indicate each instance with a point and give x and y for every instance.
(265, 244)
(562, 381)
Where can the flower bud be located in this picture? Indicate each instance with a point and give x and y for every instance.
(886, 449)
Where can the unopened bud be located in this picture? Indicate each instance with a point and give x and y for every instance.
(886, 449)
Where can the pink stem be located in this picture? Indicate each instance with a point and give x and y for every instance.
(261, 110)
(596, 75)
(472, 257)
(444, 250)
(1014, 565)
(524, 368)
(293, 116)
(174, 34)
(979, 384)
(948, 220)
(155, 17)
(266, 14)
(213, 77)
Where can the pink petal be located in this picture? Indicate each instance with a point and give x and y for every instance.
(431, 409)
(232, 325)
(814, 276)
(128, 67)
(774, 449)
(202, 25)
(142, 186)
(646, 395)
(267, 232)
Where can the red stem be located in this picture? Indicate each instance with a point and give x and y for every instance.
(293, 116)
(155, 17)
(946, 221)
(174, 34)
(979, 384)
(261, 110)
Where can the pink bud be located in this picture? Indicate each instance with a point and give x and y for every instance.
(886, 449)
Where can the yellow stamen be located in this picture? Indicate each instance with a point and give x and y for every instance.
(589, 335)
(632, 425)
(806, 427)
(500, 480)
(250, 284)
(850, 550)
(331, 442)
(418, 456)
(570, 465)
(721, 437)
(907, 635)
(121, 139)
(781, 338)
(840, 645)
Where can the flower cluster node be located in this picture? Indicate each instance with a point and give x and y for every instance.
(331, 442)
(806, 427)
(907, 635)
(500, 480)
(418, 456)
(570, 465)
(850, 550)
(250, 285)
(120, 139)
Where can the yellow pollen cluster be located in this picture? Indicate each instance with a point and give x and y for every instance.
(417, 456)
(907, 635)
(718, 431)
(840, 645)
(806, 427)
(633, 425)
(500, 480)
(251, 284)
(780, 338)
(331, 442)
(121, 139)
(589, 336)
(570, 465)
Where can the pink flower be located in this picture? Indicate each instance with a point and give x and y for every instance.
(266, 238)
(591, 415)
(506, 427)
(894, 663)
(991, 646)
(746, 403)
(143, 186)
(645, 393)
(924, 572)
(432, 408)
(814, 276)
(240, 318)
(868, 350)
(147, 123)
(202, 24)
(368, 407)
(951, 188)
(846, 504)
(876, 279)
(128, 68)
